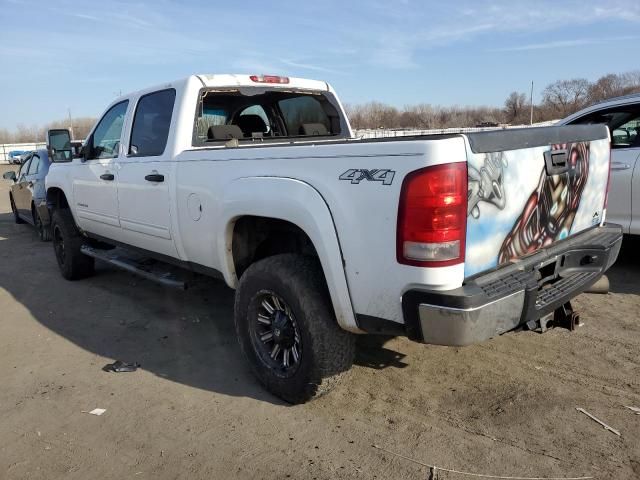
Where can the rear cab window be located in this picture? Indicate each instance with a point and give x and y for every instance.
(269, 115)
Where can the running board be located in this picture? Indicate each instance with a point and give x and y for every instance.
(144, 267)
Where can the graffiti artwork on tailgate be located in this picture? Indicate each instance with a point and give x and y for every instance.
(515, 207)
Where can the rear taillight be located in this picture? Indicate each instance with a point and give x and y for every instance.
(269, 79)
(432, 216)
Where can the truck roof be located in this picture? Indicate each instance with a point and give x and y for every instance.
(258, 80)
(230, 80)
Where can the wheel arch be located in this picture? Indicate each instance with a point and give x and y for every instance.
(300, 210)
(56, 198)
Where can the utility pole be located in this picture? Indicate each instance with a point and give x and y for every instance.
(531, 102)
(70, 124)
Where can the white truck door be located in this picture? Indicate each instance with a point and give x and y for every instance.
(95, 177)
(144, 176)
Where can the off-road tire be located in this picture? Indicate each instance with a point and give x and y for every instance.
(44, 232)
(327, 350)
(16, 217)
(73, 264)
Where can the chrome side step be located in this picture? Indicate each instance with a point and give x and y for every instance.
(144, 267)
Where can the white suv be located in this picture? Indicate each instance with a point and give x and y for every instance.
(622, 116)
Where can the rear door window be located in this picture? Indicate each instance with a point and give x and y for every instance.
(151, 124)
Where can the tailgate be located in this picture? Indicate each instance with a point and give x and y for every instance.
(529, 188)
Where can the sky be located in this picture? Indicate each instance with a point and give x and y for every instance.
(71, 55)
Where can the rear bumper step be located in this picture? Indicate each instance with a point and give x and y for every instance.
(493, 303)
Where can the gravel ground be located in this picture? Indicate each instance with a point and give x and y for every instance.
(506, 407)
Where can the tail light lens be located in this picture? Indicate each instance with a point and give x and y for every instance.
(432, 216)
(269, 79)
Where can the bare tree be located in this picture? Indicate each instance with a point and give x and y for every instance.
(81, 126)
(566, 96)
(514, 107)
(614, 85)
(559, 99)
(606, 87)
(5, 136)
(26, 134)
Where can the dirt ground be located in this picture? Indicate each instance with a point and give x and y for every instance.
(506, 407)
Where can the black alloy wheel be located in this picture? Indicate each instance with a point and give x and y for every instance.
(275, 334)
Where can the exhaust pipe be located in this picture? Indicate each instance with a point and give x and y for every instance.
(601, 286)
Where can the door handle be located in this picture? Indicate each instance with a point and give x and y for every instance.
(154, 177)
(30, 183)
(620, 166)
(107, 176)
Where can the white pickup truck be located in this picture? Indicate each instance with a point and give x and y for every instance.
(447, 239)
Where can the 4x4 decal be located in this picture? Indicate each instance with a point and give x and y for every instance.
(356, 175)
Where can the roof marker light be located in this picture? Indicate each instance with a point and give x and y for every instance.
(269, 79)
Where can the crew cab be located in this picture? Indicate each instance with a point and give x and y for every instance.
(258, 180)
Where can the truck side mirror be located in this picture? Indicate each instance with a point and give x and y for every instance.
(10, 175)
(59, 144)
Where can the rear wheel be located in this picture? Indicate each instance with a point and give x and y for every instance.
(287, 330)
(44, 232)
(14, 210)
(67, 242)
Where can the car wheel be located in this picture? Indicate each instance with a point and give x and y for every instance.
(14, 210)
(287, 329)
(44, 232)
(67, 242)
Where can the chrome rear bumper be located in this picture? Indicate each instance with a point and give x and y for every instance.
(501, 300)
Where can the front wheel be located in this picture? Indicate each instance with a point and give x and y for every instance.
(67, 242)
(287, 330)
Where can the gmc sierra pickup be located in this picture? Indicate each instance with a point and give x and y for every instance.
(447, 239)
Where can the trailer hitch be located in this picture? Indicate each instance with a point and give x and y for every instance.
(564, 316)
